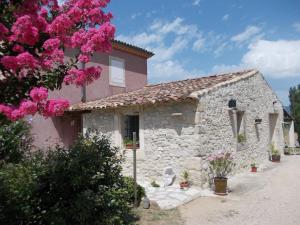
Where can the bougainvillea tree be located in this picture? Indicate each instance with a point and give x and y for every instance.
(33, 37)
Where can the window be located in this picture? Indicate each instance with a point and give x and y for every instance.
(116, 72)
(131, 125)
(241, 128)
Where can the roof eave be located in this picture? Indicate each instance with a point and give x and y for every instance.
(122, 46)
(187, 99)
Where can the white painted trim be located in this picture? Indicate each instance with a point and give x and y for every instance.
(110, 81)
(117, 130)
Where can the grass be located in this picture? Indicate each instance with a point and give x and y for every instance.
(155, 216)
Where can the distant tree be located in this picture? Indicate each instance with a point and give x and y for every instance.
(294, 96)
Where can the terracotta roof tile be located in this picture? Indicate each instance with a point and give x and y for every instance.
(183, 90)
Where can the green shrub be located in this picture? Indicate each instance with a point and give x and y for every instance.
(18, 186)
(241, 138)
(15, 141)
(129, 186)
(80, 185)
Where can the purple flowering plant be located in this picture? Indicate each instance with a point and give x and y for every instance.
(221, 164)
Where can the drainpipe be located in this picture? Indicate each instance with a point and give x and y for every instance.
(83, 99)
(83, 88)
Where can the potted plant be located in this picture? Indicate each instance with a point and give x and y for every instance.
(220, 166)
(286, 150)
(129, 143)
(154, 184)
(275, 154)
(185, 180)
(253, 168)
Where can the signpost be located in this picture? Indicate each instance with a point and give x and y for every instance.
(134, 169)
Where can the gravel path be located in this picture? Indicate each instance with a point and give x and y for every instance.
(270, 197)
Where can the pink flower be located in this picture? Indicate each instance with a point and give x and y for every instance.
(75, 14)
(16, 114)
(28, 107)
(41, 23)
(87, 48)
(18, 48)
(37, 23)
(83, 58)
(6, 110)
(55, 107)
(93, 73)
(11, 113)
(60, 25)
(211, 158)
(39, 94)
(78, 38)
(96, 15)
(108, 17)
(75, 75)
(90, 3)
(24, 31)
(51, 44)
(10, 62)
(220, 152)
(81, 77)
(25, 59)
(44, 13)
(48, 59)
(108, 29)
(54, 5)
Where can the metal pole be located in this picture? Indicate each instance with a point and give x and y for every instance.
(134, 169)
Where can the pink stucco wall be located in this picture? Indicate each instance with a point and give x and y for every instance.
(63, 130)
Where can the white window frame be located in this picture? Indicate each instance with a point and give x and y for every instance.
(111, 58)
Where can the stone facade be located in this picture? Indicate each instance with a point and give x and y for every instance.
(103, 122)
(183, 135)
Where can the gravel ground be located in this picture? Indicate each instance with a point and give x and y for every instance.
(270, 197)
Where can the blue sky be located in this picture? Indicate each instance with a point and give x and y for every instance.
(192, 38)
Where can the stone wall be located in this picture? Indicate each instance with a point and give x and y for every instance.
(102, 121)
(217, 129)
(184, 142)
(169, 139)
(183, 135)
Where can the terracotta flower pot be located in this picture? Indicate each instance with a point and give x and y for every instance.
(130, 146)
(253, 169)
(276, 158)
(220, 185)
(286, 151)
(184, 184)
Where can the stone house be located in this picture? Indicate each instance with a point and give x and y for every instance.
(289, 129)
(179, 124)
